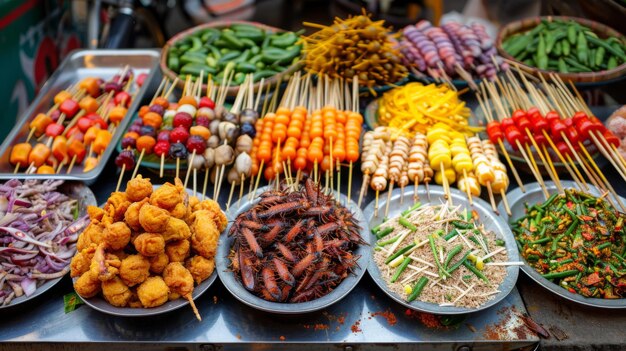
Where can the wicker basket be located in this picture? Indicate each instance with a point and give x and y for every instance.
(583, 77)
(233, 90)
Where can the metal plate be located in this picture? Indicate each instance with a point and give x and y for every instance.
(227, 277)
(491, 221)
(78, 65)
(85, 197)
(534, 195)
(100, 304)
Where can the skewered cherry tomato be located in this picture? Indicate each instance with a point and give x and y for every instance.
(517, 115)
(54, 129)
(611, 138)
(513, 136)
(572, 135)
(145, 142)
(557, 128)
(579, 116)
(162, 147)
(205, 101)
(552, 115)
(122, 99)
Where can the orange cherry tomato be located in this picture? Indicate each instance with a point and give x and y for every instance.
(282, 119)
(264, 154)
(325, 165)
(143, 110)
(162, 101)
(189, 100)
(283, 111)
(133, 135)
(269, 173)
(315, 154)
(202, 131)
(352, 155)
(145, 142)
(153, 119)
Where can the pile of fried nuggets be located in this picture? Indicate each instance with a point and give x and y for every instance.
(147, 247)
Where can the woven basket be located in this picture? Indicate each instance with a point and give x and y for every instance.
(583, 77)
(233, 90)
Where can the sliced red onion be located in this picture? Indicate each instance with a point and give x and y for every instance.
(20, 235)
(29, 286)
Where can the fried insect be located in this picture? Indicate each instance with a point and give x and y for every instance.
(294, 245)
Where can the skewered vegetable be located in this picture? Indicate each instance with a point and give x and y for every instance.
(356, 46)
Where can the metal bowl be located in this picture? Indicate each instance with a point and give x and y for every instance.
(222, 264)
(85, 197)
(98, 303)
(487, 217)
(534, 195)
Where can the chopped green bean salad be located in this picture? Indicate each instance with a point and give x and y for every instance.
(576, 240)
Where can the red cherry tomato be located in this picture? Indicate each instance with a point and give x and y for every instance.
(517, 114)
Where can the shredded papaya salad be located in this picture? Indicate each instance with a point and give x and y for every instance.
(440, 254)
(576, 240)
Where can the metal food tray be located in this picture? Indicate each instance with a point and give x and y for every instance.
(85, 197)
(232, 284)
(78, 65)
(488, 218)
(534, 195)
(98, 302)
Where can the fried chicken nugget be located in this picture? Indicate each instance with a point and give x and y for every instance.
(116, 236)
(82, 260)
(200, 268)
(158, 263)
(153, 219)
(116, 206)
(104, 266)
(95, 213)
(153, 292)
(86, 286)
(177, 251)
(176, 229)
(134, 270)
(116, 292)
(167, 196)
(131, 217)
(149, 244)
(138, 188)
(193, 201)
(178, 278)
(91, 235)
(179, 211)
(216, 212)
(204, 235)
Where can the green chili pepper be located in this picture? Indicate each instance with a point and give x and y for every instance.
(612, 63)
(540, 241)
(603, 245)
(401, 269)
(562, 66)
(417, 289)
